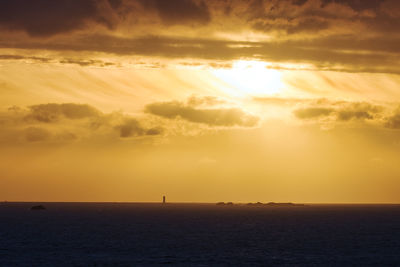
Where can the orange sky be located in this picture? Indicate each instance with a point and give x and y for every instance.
(129, 100)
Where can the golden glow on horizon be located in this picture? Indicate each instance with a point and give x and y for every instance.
(283, 158)
(251, 78)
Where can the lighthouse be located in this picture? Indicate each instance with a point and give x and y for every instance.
(163, 199)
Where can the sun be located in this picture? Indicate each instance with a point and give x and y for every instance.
(251, 78)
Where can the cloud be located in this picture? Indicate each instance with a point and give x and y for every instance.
(80, 62)
(35, 134)
(328, 16)
(174, 12)
(358, 111)
(73, 122)
(226, 117)
(312, 113)
(338, 53)
(87, 62)
(132, 128)
(154, 131)
(345, 115)
(68, 122)
(342, 35)
(46, 17)
(393, 121)
(356, 4)
(340, 111)
(19, 57)
(208, 101)
(53, 112)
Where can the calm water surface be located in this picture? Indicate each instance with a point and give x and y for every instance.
(107, 234)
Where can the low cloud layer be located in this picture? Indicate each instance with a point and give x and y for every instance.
(68, 122)
(226, 117)
(311, 113)
(325, 111)
(132, 128)
(53, 112)
(393, 121)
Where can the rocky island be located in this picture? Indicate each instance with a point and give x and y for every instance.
(259, 204)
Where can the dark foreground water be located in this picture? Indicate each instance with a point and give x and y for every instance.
(106, 234)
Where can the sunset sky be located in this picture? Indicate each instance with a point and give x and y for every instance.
(201, 101)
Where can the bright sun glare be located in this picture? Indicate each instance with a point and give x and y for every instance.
(251, 78)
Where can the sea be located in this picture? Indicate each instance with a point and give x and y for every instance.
(152, 234)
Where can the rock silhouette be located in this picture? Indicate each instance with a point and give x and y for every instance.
(223, 203)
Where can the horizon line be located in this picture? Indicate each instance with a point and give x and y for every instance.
(197, 202)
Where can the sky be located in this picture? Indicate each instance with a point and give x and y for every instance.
(200, 100)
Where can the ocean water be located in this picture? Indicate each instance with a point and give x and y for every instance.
(118, 234)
